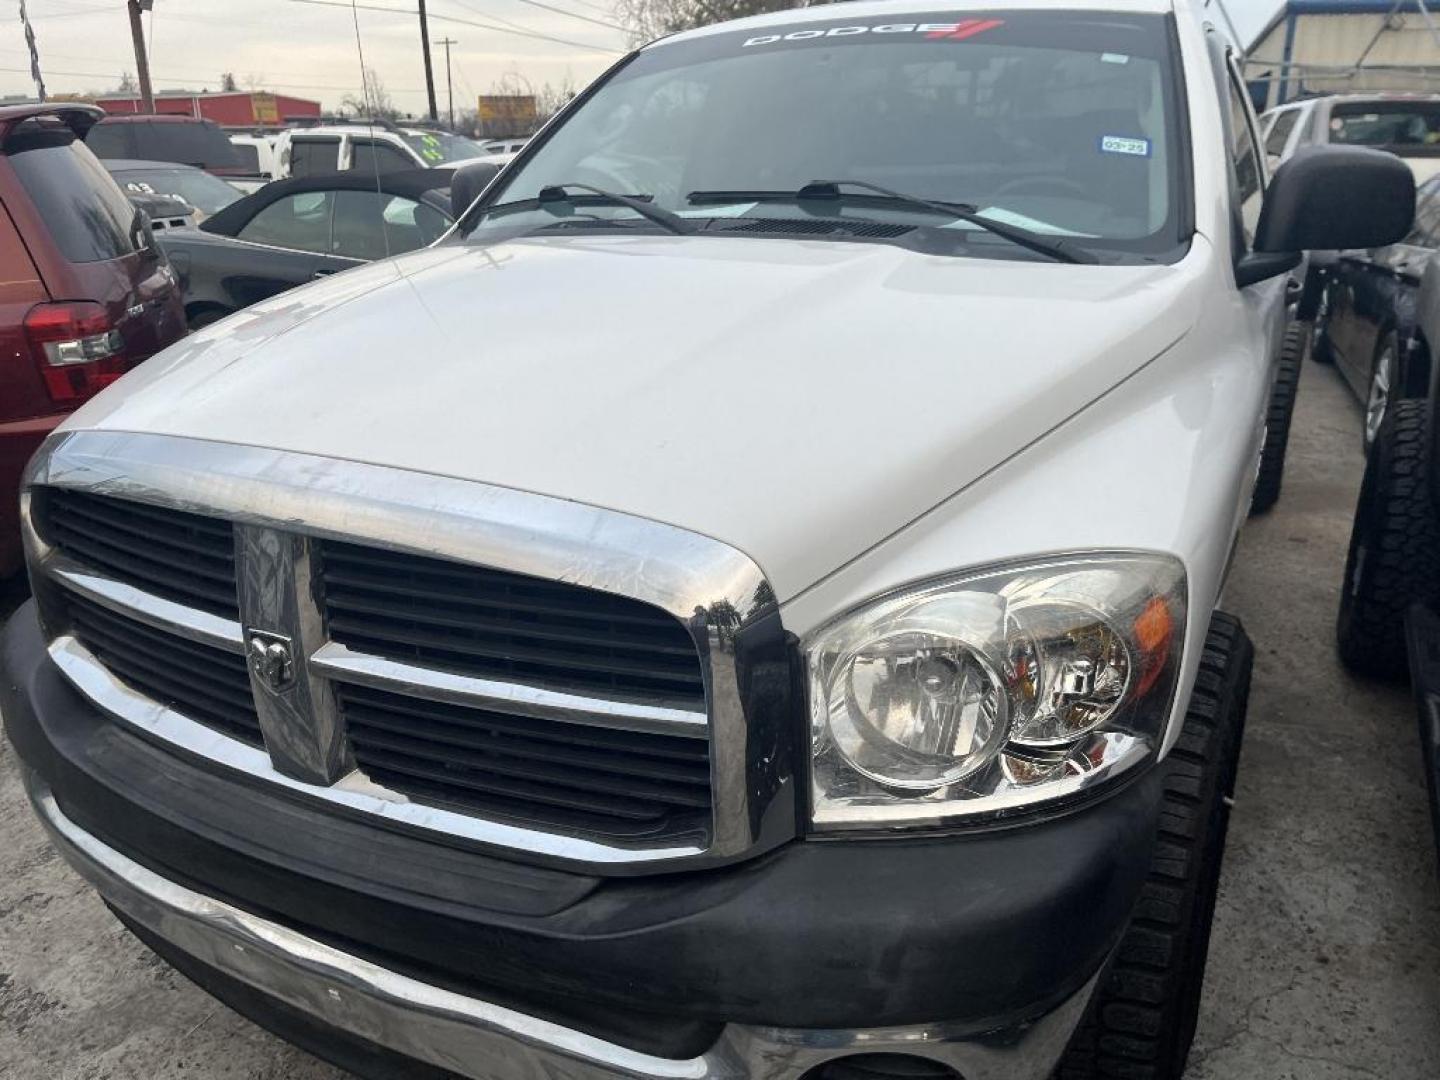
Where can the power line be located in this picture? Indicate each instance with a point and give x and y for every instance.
(496, 18)
(173, 77)
(72, 14)
(547, 7)
(466, 22)
(593, 7)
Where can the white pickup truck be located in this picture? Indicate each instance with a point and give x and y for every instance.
(743, 605)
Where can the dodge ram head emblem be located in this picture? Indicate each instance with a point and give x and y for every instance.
(271, 659)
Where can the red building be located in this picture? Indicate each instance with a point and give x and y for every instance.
(238, 108)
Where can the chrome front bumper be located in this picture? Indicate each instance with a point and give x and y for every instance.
(474, 1038)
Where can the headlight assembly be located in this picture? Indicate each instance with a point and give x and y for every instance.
(987, 693)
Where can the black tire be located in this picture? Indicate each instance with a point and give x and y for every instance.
(1310, 291)
(1141, 1021)
(1277, 421)
(1321, 350)
(1393, 561)
(206, 316)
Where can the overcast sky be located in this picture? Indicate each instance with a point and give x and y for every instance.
(310, 50)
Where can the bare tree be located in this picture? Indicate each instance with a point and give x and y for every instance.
(376, 100)
(648, 19)
(227, 82)
(128, 85)
(550, 99)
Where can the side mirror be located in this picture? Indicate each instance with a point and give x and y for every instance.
(467, 184)
(1327, 198)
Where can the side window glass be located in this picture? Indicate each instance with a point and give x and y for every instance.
(373, 157)
(310, 157)
(1280, 132)
(1307, 131)
(1426, 232)
(111, 141)
(297, 221)
(1245, 161)
(371, 225)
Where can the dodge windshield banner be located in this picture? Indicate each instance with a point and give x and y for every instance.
(947, 31)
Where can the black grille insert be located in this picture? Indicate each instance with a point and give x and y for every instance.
(209, 685)
(184, 557)
(498, 624)
(593, 780)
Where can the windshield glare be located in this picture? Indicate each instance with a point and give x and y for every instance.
(1060, 122)
(208, 194)
(438, 147)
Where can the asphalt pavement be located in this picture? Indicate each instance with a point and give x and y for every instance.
(1325, 961)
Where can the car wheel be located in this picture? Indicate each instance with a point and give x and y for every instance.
(1382, 382)
(1277, 421)
(1393, 560)
(206, 316)
(1141, 1020)
(1321, 350)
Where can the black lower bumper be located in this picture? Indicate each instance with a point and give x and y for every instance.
(983, 930)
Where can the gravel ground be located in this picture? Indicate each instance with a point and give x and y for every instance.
(1325, 963)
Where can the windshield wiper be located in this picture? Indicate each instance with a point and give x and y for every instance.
(664, 218)
(830, 189)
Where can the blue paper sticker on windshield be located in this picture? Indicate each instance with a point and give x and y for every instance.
(1124, 144)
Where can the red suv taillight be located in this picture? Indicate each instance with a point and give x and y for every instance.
(78, 347)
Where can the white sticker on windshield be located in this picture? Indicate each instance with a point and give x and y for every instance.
(1114, 58)
(1123, 144)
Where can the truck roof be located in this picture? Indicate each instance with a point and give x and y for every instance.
(865, 9)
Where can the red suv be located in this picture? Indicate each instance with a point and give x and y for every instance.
(85, 295)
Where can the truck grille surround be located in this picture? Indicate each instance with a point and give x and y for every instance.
(208, 685)
(503, 706)
(177, 555)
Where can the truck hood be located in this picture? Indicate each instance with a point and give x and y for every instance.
(799, 400)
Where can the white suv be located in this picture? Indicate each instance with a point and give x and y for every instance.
(380, 146)
(743, 606)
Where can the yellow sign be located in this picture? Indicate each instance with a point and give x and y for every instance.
(265, 108)
(508, 114)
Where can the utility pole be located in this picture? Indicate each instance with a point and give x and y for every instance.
(425, 48)
(449, 87)
(142, 63)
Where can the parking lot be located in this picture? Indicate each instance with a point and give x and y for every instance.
(1325, 963)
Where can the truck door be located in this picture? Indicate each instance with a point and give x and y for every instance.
(1248, 177)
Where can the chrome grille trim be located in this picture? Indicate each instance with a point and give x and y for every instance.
(188, 622)
(95, 681)
(301, 720)
(344, 664)
(712, 589)
(353, 791)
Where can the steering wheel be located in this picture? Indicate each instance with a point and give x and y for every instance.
(1057, 184)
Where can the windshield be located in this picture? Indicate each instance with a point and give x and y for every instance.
(439, 147)
(1406, 127)
(1062, 123)
(206, 193)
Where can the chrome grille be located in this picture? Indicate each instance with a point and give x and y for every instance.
(207, 684)
(497, 666)
(184, 557)
(496, 624)
(600, 781)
